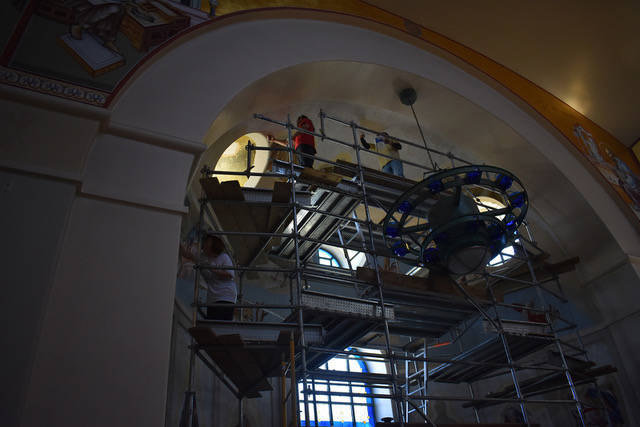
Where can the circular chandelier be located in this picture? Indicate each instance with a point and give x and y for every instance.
(443, 223)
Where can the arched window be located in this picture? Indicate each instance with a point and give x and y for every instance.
(326, 258)
(504, 256)
(486, 204)
(234, 159)
(330, 407)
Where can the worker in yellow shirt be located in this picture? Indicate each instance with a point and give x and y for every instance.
(387, 146)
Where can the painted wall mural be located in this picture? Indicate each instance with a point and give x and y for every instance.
(82, 49)
(86, 49)
(614, 169)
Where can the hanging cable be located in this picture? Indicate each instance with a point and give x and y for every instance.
(408, 97)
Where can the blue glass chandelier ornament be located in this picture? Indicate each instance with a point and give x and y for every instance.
(438, 222)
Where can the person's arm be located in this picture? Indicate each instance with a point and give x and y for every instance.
(277, 141)
(364, 142)
(185, 252)
(396, 145)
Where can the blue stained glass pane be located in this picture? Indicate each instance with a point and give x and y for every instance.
(342, 411)
(327, 258)
(436, 186)
(400, 248)
(504, 182)
(516, 199)
(405, 206)
(510, 223)
(431, 255)
(473, 177)
(392, 231)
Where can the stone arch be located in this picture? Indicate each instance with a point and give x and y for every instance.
(184, 89)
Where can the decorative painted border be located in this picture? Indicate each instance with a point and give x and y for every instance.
(52, 87)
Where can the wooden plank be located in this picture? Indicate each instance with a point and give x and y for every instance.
(547, 381)
(256, 380)
(436, 283)
(281, 192)
(206, 337)
(260, 215)
(211, 187)
(246, 247)
(575, 364)
(542, 269)
(562, 266)
(232, 217)
(231, 190)
(313, 176)
(374, 176)
(233, 360)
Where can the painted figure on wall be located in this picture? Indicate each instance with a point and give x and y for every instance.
(626, 178)
(83, 49)
(102, 18)
(612, 168)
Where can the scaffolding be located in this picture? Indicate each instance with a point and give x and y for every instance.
(309, 208)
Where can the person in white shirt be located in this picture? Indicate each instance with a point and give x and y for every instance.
(221, 283)
(387, 146)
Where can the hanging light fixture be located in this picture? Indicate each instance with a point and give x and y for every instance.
(437, 222)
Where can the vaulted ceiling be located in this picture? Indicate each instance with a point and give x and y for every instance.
(587, 53)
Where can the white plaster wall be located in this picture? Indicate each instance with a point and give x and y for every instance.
(129, 170)
(90, 226)
(102, 357)
(616, 295)
(33, 217)
(46, 141)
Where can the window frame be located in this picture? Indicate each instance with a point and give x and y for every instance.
(313, 401)
(324, 254)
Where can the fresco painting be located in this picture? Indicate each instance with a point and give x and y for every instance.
(612, 167)
(96, 43)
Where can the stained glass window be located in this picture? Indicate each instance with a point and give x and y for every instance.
(336, 403)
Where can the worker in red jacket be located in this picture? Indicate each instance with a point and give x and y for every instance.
(303, 143)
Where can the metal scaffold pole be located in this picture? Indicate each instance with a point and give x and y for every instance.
(425, 377)
(586, 355)
(507, 351)
(187, 417)
(294, 212)
(392, 365)
(549, 320)
(458, 337)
